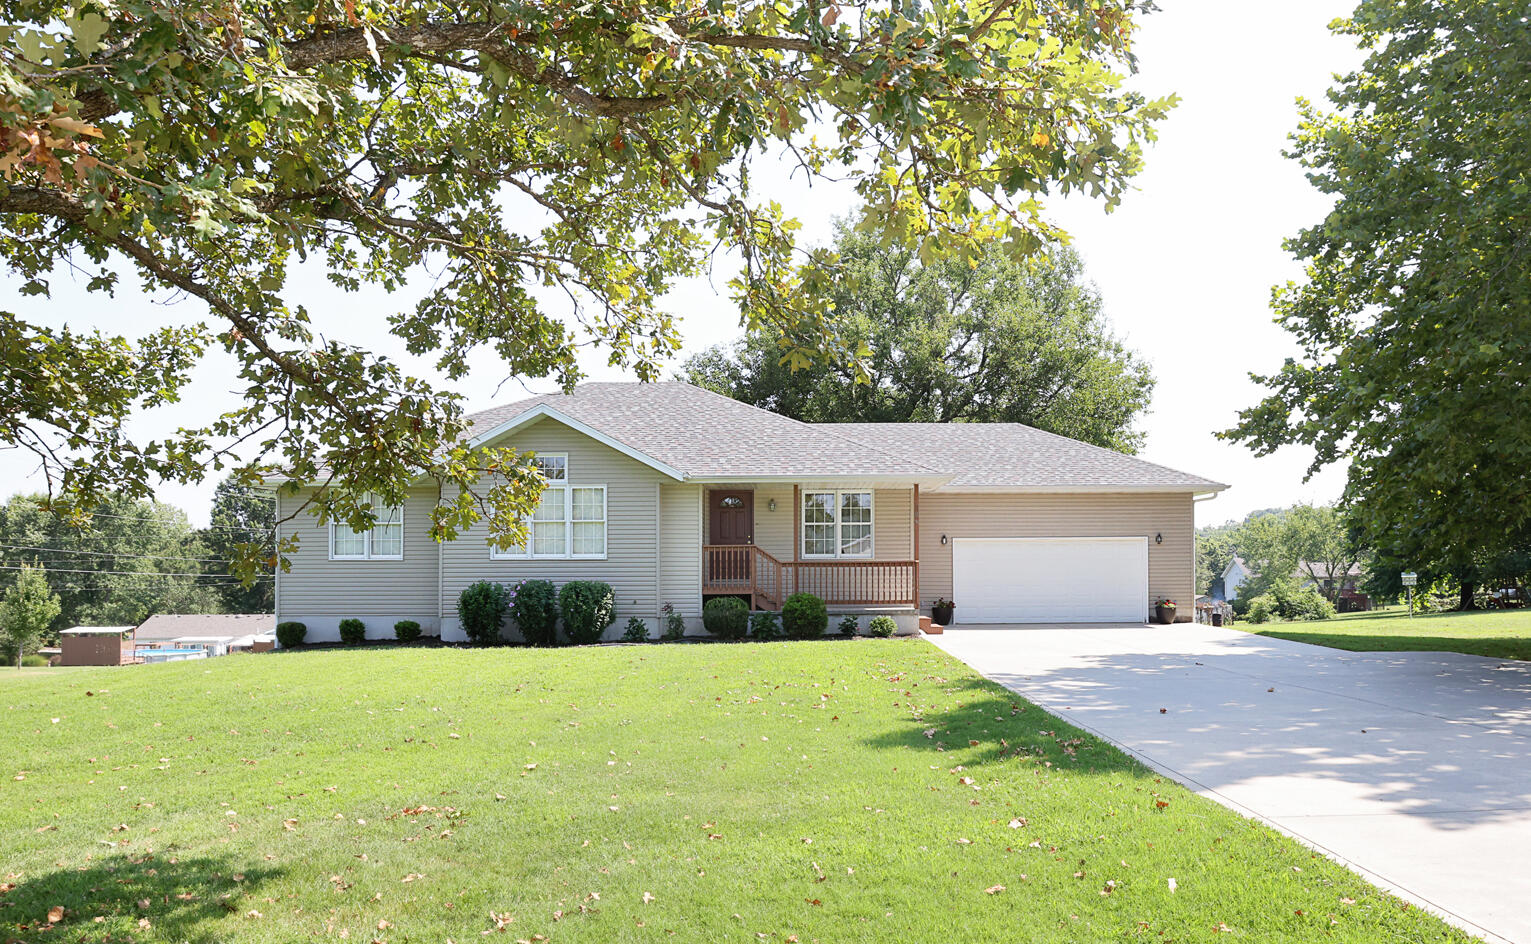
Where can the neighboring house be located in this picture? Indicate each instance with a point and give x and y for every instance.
(1235, 575)
(217, 634)
(1342, 588)
(673, 494)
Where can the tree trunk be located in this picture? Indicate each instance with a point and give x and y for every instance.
(1465, 602)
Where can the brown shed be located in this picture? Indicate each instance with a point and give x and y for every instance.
(96, 645)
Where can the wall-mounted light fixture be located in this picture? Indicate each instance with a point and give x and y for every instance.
(771, 505)
(943, 539)
(1159, 539)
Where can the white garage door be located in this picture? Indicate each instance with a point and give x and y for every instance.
(1050, 580)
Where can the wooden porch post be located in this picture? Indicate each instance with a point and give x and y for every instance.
(916, 548)
(797, 526)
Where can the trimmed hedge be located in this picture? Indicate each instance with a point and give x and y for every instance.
(883, 626)
(849, 624)
(534, 607)
(481, 610)
(726, 617)
(588, 606)
(764, 626)
(353, 632)
(804, 616)
(290, 635)
(406, 630)
(34, 661)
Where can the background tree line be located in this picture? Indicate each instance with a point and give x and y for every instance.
(136, 558)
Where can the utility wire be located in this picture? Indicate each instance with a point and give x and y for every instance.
(65, 550)
(123, 573)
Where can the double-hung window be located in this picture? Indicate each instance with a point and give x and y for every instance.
(837, 524)
(385, 541)
(570, 520)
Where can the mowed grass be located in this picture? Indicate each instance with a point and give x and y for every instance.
(1498, 634)
(826, 791)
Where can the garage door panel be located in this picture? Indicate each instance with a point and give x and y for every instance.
(1050, 580)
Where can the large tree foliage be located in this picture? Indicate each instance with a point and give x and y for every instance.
(994, 340)
(27, 608)
(1414, 306)
(135, 559)
(242, 526)
(602, 150)
(1303, 542)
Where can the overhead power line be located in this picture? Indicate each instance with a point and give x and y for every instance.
(66, 550)
(119, 573)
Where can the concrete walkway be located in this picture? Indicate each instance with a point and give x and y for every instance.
(1413, 768)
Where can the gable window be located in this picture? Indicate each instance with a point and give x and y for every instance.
(385, 541)
(837, 524)
(570, 520)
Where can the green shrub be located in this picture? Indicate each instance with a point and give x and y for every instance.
(588, 608)
(406, 630)
(1241, 605)
(883, 626)
(481, 610)
(765, 626)
(674, 623)
(534, 607)
(353, 631)
(1259, 609)
(290, 635)
(849, 624)
(637, 630)
(34, 661)
(803, 616)
(726, 617)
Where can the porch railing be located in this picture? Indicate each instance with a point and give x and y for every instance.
(747, 570)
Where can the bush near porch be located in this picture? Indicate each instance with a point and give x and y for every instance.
(839, 791)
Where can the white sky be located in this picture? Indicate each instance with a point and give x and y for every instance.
(1185, 264)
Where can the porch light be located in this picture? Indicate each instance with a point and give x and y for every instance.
(771, 505)
(1159, 538)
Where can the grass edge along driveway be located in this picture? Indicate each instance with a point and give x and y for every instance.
(1496, 634)
(865, 790)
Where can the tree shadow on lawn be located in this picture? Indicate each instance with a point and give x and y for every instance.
(1493, 647)
(990, 725)
(181, 899)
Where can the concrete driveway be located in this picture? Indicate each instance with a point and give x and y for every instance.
(1412, 768)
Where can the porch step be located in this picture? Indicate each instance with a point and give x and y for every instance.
(929, 628)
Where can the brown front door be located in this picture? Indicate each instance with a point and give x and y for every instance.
(731, 521)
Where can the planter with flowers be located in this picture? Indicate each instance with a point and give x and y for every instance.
(941, 611)
(1164, 609)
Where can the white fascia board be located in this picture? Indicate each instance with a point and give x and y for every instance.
(542, 410)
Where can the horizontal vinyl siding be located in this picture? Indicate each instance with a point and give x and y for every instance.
(320, 592)
(891, 522)
(632, 547)
(1171, 571)
(680, 549)
(773, 529)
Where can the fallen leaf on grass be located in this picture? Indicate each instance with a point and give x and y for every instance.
(1173, 885)
(994, 889)
(55, 914)
(647, 898)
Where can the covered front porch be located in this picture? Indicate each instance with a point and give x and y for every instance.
(853, 546)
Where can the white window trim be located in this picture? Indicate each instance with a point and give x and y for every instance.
(367, 555)
(555, 455)
(568, 489)
(871, 553)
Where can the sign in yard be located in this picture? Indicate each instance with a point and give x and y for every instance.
(1410, 579)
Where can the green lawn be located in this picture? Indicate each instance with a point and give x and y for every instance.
(830, 791)
(1499, 634)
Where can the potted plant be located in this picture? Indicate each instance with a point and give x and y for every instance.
(1164, 608)
(941, 611)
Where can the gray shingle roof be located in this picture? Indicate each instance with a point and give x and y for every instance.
(1012, 455)
(704, 434)
(172, 625)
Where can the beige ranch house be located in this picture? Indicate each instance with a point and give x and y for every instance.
(673, 494)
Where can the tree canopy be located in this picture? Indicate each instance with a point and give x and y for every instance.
(991, 340)
(1416, 296)
(600, 151)
(26, 609)
(135, 559)
(242, 525)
